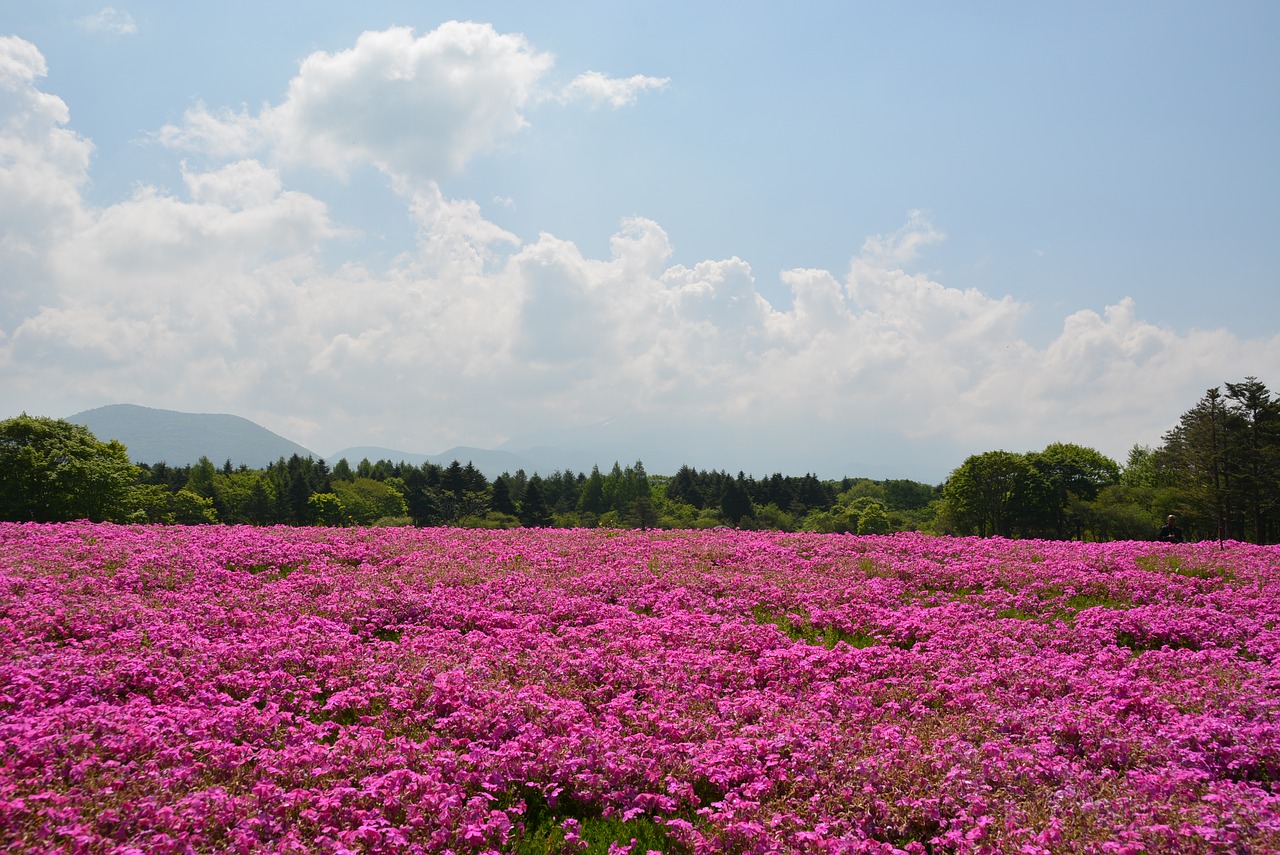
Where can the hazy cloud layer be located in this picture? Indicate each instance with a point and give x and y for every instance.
(217, 299)
(109, 20)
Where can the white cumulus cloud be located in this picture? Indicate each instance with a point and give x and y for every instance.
(415, 106)
(43, 168)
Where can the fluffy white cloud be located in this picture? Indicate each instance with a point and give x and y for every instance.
(42, 163)
(600, 89)
(415, 106)
(219, 299)
(43, 167)
(157, 289)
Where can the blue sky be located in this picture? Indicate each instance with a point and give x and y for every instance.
(850, 238)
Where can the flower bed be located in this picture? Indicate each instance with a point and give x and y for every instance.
(171, 689)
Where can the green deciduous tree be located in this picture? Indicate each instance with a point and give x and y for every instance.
(190, 508)
(52, 470)
(1073, 474)
(326, 509)
(365, 501)
(872, 518)
(993, 493)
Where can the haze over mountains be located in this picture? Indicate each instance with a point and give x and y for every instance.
(154, 435)
(178, 439)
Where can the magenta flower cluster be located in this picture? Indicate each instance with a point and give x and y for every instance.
(225, 689)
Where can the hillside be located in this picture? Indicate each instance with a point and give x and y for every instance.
(178, 439)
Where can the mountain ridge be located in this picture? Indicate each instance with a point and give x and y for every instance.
(154, 435)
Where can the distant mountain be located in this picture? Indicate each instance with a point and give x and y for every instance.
(179, 439)
(374, 453)
(490, 463)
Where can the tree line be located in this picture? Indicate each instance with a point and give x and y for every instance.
(1218, 469)
(53, 470)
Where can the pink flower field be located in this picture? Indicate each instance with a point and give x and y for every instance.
(225, 689)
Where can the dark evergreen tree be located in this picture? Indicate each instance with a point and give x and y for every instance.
(561, 491)
(775, 490)
(382, 470)
(258, 508)
(454, 480)
(534, 512)
(1199, 452)
(201, 481)
(683, 487)
(1257, 444)
(615, 489)
(474, 500)
(811, 493)
(303, 481)
(473, 479)
(906, 495)
(501, 502)
(638, 498)
(516, 485)
(591, 501)
(735, 503)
